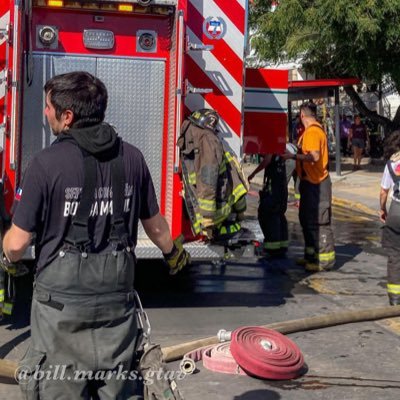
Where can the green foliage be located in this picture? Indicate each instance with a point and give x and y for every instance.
(338, 38)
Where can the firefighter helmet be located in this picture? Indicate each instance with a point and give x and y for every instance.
(205, 118)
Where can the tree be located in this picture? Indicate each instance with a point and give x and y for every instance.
(334, 38)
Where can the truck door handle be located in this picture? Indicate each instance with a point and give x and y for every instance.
(192, 89)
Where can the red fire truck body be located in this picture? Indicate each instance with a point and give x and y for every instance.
(159, 59)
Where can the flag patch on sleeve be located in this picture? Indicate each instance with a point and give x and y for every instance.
(18, 194)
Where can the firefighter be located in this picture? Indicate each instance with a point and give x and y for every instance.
(83, 197)
(391, 219)
(214, 183)
(315, 192)
(273, 202)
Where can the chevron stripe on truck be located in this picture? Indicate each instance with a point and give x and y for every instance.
(222, 25)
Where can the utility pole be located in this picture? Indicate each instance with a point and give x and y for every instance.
(337, 133)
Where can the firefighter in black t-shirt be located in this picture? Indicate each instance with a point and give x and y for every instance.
(83, 198)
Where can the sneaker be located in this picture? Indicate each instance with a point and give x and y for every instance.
(313, 267)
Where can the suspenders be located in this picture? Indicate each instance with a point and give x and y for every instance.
(78, 233)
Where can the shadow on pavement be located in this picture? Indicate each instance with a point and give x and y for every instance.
(241, 284)
(345, 253)
(258, 395)
(367, 164)
(6, 348)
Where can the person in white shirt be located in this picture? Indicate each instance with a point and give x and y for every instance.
(391, 233)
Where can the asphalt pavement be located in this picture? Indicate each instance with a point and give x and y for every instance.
(346, 362)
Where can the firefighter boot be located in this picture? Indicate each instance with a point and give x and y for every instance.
(273, 254)
(394, 299)
(232, 232)
(313, 267)
(309, 257)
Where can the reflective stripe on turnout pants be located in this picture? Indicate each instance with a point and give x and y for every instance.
(391, 243)
(83, 319)
(315, 214)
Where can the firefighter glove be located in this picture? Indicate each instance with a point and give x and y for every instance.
(12, 268)
(178, 258)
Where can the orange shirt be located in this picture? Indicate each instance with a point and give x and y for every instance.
(313, 139)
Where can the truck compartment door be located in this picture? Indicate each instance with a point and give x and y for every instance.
(265, 118)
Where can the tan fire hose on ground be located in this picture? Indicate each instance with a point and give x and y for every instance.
(8, 368)
(176, 352)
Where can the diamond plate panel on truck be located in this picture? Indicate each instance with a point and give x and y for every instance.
(136, 88)
(198, 250)
(136, 92)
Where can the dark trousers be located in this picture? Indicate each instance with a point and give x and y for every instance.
(272, 220)
(315, 219)
(344, 146)
(391, 243)
(83, 324)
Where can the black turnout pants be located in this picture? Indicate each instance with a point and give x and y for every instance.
(83, 325)
(272, 220)
(315, 218)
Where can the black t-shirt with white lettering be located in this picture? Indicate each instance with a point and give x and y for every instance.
(50, 194)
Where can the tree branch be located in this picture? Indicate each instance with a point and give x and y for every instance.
(366, 112)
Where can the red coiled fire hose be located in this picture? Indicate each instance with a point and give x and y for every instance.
(254, 351)
(265, 353)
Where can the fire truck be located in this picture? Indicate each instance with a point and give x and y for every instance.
(160, 60)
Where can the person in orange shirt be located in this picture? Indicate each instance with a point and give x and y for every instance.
(315, 192)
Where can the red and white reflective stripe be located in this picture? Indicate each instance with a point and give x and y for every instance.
(234, 33)
(235, 14)
(4, 22)
(222, 68)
